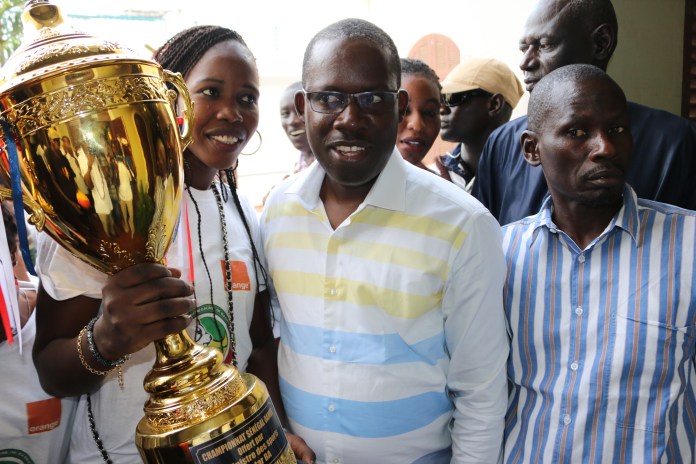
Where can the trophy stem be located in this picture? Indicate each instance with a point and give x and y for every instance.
(173, 346)
(186, 382)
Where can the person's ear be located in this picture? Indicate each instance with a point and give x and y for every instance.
(403, 103)
(603, 43)
(530, 147)
(300, 103)
(495, 104)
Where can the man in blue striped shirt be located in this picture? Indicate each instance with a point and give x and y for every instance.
(599, 293)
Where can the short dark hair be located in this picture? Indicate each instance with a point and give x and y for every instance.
(294, 86)
(353, 28)
(543, 97)
(182, 52)
(413, 66)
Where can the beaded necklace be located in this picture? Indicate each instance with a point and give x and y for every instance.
(95, 434)
(228, 269)
(228, 273)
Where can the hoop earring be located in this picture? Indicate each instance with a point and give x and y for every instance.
(257, 148)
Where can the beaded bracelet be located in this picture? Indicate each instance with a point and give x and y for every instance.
(96, 354)
(85, 364)
(82, 357)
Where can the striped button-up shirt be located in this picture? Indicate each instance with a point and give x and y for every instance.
(603, 339)
(393, 322)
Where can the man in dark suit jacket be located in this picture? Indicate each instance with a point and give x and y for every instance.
(561, 32)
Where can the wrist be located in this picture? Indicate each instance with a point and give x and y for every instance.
(85, 356)
(96, 354)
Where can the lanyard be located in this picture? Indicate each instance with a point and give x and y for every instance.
(18, 203)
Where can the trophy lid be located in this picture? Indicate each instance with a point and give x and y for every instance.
(51, 46)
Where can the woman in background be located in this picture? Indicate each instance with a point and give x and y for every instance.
(421, 124)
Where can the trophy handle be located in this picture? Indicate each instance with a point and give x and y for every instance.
(37, 217)
(177, 81)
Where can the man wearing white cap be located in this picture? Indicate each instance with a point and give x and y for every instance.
(478, 96)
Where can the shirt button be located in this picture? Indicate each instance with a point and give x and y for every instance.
(578, 311)
(566, 419)
(332, 349)
(581, 258)
(332, 292)
(574, 366)
(336, 460)
(332, 408)
(552, 230)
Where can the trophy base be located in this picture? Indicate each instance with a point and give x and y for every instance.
(247, 431)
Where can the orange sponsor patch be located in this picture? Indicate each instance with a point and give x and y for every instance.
(43, 416)
(240, 276)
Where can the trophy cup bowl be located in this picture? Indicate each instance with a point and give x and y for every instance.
(99, 158)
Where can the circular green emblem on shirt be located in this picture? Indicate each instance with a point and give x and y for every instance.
(14, 456)
(212, 329)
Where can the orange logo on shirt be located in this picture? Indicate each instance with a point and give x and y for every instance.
(240, 276)
(43, 416)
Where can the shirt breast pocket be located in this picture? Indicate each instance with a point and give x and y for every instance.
(649, 367)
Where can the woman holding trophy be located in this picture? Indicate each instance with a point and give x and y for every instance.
(95, 332)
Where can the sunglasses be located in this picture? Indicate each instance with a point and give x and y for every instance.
(456, 99)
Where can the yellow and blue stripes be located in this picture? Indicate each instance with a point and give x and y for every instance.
(378, 317)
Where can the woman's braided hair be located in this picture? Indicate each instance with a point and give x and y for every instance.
(182, 52)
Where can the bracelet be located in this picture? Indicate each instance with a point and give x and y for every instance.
(119, 371)
(82, 357)
(96, 354)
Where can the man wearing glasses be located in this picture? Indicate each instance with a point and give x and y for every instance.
(393, 344)
(478, 96)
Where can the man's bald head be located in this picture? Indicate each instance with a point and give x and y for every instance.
(589, 13)
(562, 32)
(547, 91)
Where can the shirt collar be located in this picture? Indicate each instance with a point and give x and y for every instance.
(453, 162)
(388, 191)
(626, 218)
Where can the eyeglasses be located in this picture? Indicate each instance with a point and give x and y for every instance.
(456, 99)
(336, 102)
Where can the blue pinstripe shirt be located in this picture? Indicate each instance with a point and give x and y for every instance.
(603, 339)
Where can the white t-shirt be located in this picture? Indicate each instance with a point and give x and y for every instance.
(35, 426)
(117, 412)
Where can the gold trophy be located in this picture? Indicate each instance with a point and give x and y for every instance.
(99, 158)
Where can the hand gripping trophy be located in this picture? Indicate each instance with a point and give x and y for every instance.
(66, 98)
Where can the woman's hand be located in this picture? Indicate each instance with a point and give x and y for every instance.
(140, 304)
